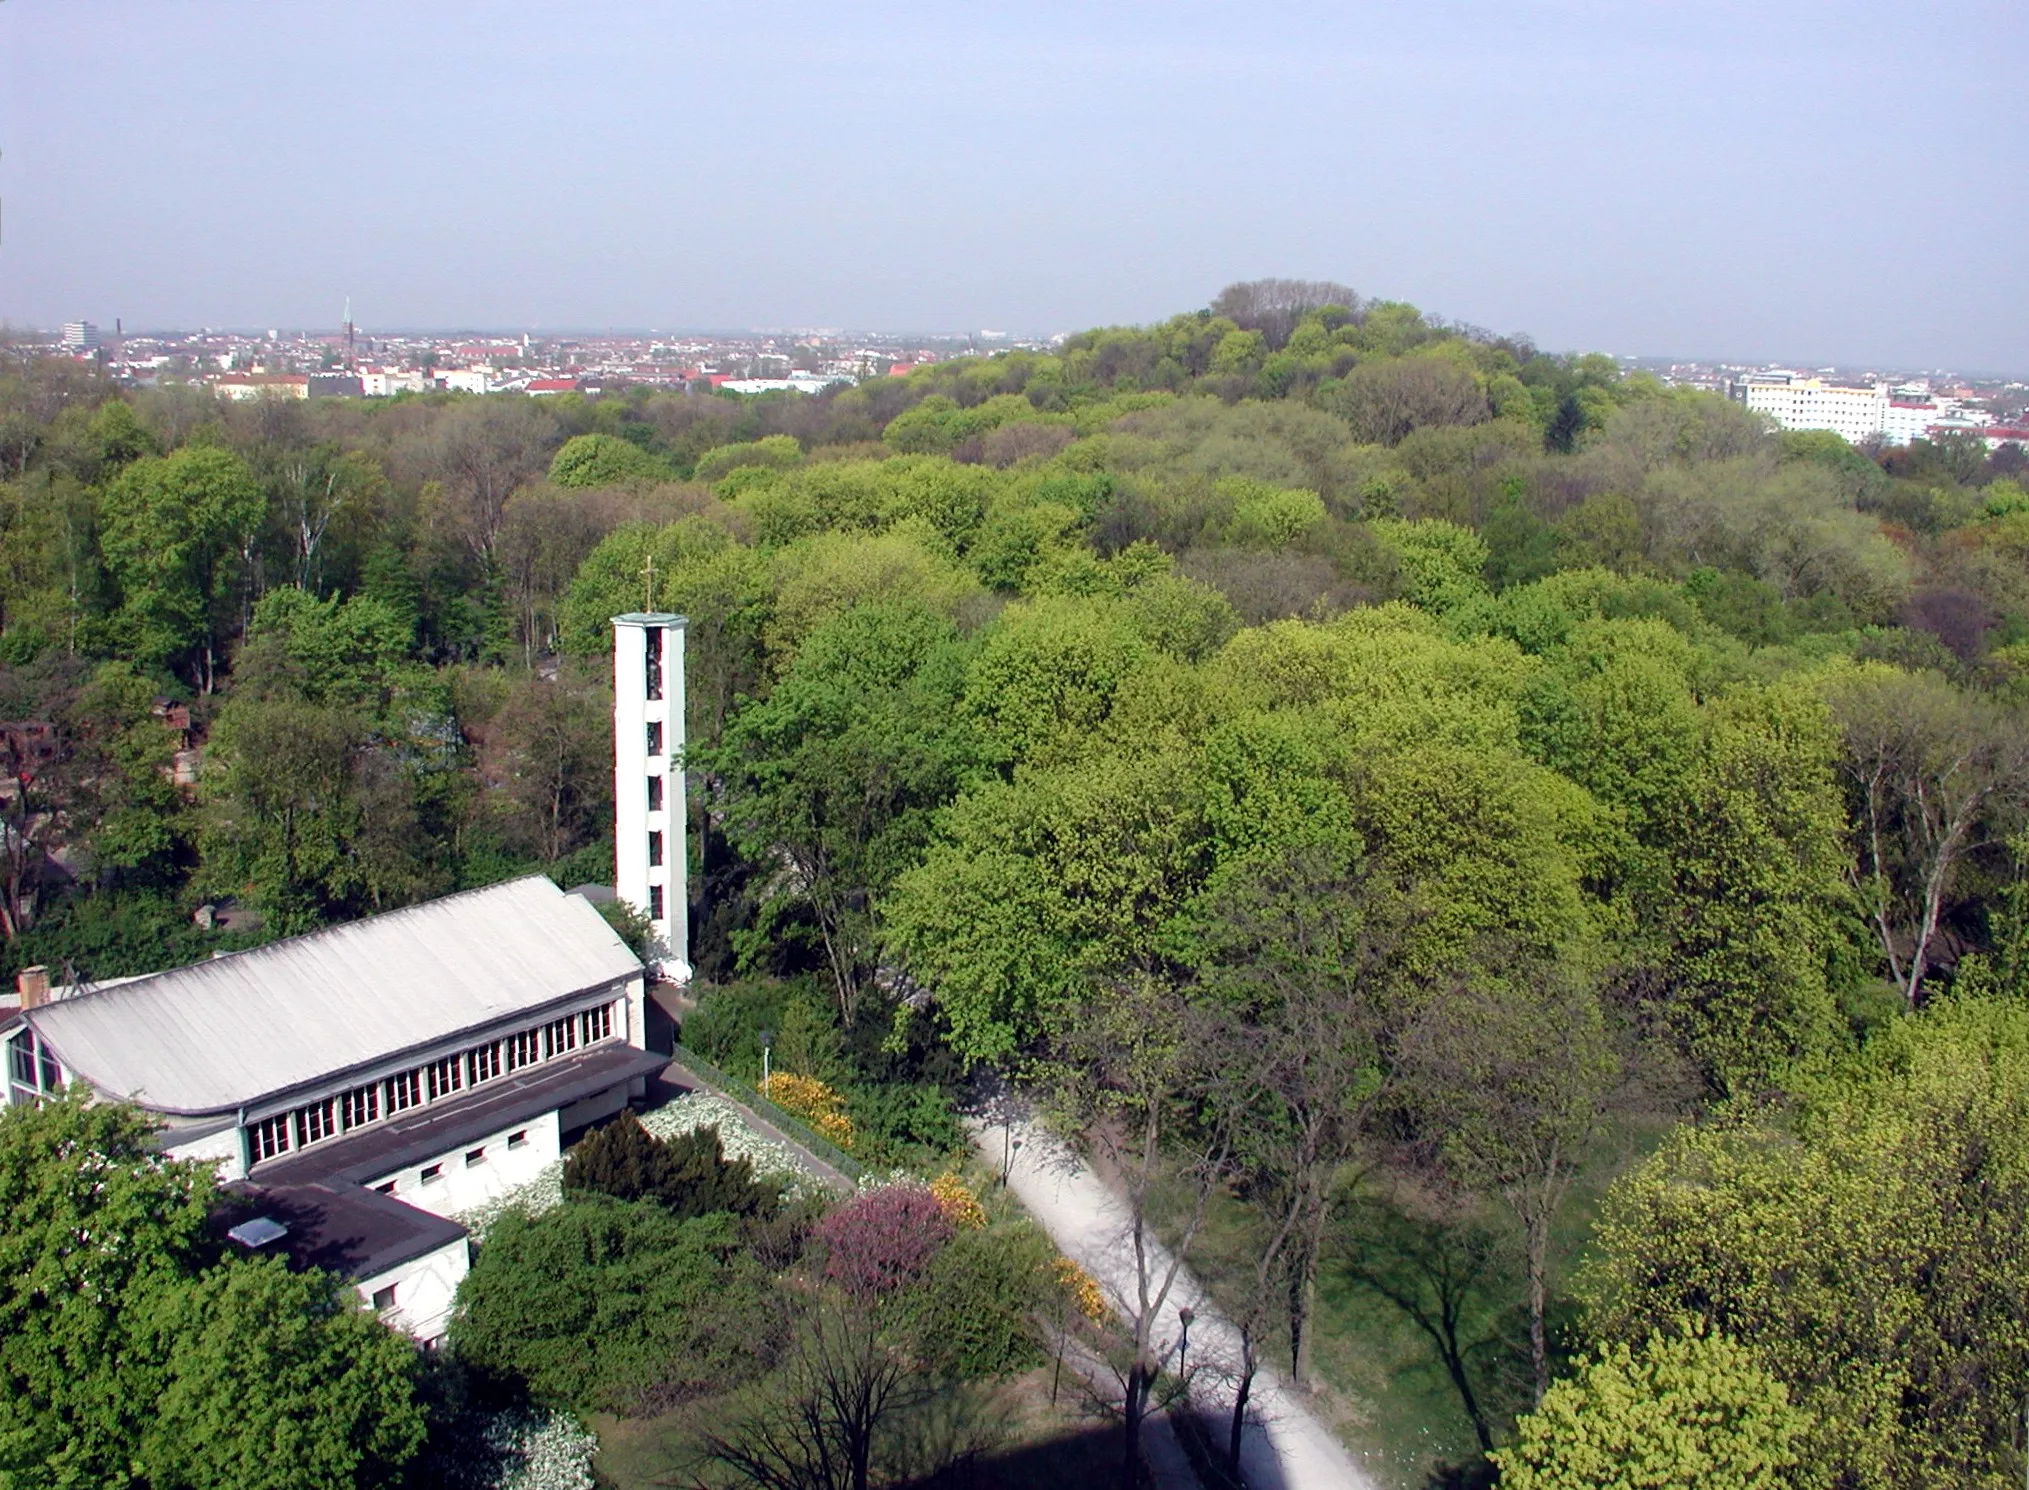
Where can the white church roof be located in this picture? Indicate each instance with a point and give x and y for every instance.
(212, 1037)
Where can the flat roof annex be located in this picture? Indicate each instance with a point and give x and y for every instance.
(223, 1034)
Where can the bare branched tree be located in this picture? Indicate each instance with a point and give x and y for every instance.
(1511, 1075)
(1150, 1076)
(821, 1429)
(1934, 774)
(1274, 306)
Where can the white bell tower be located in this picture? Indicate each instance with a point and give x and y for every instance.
(650, 869)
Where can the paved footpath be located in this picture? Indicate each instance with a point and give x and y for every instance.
(1285, 1447)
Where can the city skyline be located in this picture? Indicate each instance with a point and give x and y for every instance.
(1638, 184)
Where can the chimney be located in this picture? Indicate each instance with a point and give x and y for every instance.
(32, 983)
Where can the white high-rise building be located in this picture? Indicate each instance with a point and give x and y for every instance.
(650, 871)
(80, 336)
(1856, 413)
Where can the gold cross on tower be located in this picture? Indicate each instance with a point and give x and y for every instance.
(648, 586)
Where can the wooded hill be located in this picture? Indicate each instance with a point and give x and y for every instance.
(1492, 742)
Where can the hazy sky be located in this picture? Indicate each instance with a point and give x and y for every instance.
(1803, 179)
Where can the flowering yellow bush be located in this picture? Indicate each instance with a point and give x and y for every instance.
(959, 1205)
(810, 1099)
(1083, 1289)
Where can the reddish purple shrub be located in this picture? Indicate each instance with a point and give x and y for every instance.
(879, 1240)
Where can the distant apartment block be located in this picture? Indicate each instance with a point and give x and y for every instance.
(1859, 413)
(242, 387)
(80, 336)
(386, 382)
(467, 379)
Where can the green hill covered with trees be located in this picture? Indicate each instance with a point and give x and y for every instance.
(1540, 793)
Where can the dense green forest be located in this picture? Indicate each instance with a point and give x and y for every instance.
(1535, 858)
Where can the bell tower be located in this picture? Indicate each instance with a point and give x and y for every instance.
(650, 868)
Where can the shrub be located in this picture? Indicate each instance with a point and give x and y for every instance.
(881, 1239)
(688, 1174)
(613, 1306)
(974, 1309)
(1081, 1288)
(890, 1117)
(811, 1100)
(959, 1205)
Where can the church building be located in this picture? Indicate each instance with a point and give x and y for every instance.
(362, 1087)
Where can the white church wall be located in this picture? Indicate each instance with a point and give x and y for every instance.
(595, 1107)
(221, 1147)
(461, 1184)
(424, 1289)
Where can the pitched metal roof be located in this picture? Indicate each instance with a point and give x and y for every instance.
(212, 1037)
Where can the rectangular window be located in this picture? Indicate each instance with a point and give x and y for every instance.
(316, 1122)
(446, 1076)
(518, 1139)
(654, 848)
(559, 1037)
(386, 1188)
(431, 1174)
(32, 1066)
(523, 1049)
(269, 1137)
(359, 1107)
(655, 737)
(404, 1091)
(474, 1157)
(655, 902)
(484, 1062)
(652, 660)
(596, 1024)
(21, 1059)
(383, 1299)
(655, 794)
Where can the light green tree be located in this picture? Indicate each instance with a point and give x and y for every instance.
(604, 460)
(1869, 1254)
(1691, 1408)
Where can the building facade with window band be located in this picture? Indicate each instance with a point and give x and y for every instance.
(365, 1085)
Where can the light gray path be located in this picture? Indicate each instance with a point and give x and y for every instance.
(1285, 1446)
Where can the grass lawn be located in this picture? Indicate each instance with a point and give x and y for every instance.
(1004, 1435)
(1383, 1384)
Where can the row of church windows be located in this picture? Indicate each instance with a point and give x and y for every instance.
(420, 1085)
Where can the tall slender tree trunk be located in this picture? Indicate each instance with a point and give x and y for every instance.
(1303, 1281)
(1242, 1390)
(1133, 1409)
(1537, 1228)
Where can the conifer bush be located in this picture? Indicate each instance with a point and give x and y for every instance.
(687, 1174)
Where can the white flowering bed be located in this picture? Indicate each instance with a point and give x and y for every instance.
(541, 1452)
(685, 1114)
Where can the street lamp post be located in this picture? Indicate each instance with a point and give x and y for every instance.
(1184, 1348)
(767, 1040)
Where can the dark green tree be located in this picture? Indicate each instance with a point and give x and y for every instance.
(687, 1175)
(177, 531)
